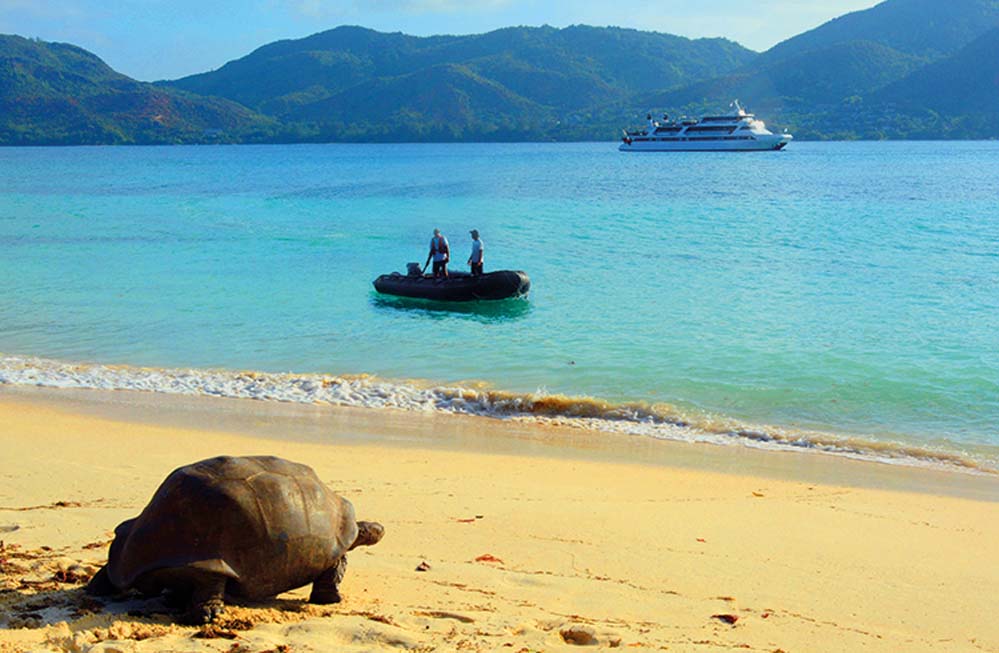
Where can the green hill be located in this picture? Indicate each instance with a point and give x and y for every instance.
(929, 29)
(822, 76)
(967, 81)
(957, 97)
(833, 81)
(510, 83)
(56, 94)
(441, 103)
(902, 69)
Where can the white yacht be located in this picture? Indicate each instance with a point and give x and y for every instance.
(736, 131)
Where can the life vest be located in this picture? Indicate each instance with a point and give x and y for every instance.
(438, 245)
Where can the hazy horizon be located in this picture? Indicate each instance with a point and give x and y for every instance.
(165, 40)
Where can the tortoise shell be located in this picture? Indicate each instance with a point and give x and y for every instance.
(268, 524)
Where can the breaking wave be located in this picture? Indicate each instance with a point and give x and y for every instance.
(652, 420)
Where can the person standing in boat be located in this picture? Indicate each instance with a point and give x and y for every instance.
(440, 253)
(475, 260)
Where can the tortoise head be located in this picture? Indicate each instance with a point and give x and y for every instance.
(368, 533)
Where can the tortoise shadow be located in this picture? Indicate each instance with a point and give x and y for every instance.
(49, 607)
(40, 609)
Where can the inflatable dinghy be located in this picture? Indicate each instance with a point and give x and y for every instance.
(458, 287)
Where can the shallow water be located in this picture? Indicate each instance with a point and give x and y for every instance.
(850, 288)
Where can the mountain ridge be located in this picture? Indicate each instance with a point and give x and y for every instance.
(926, 28)
(58, 93)
(829, 82)
(901, 69)
(545, 72)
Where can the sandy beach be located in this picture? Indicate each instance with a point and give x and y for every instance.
(531, 539)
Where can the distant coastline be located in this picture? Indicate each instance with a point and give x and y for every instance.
(886, 73)
(610, 142)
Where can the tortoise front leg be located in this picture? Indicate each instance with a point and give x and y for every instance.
(326, 588)
(100, 584)
(207, 599)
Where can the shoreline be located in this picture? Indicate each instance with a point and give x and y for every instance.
(331, 425)
(534, 535)
(655, 421)
(305, 143)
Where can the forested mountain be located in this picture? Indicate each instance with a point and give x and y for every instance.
(561, 68)
(441, 103)
(869, 74)
(55, 93)
(902, 69)
(930, 29)
(820, 76)
(510, 83)
(967, 81)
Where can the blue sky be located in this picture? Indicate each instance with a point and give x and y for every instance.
(163, 39)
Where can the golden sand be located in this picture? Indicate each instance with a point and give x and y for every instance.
(528, 540)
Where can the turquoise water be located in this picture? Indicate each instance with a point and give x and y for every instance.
(846, 287)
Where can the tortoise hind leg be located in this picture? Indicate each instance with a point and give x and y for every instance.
(207, 599)
(100, 584)
(206, 582)
(326, 588)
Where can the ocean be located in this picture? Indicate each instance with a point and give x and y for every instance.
(842, 297)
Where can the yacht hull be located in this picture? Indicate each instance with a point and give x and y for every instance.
(758, 144)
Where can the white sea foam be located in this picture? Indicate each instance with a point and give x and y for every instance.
(663, 422)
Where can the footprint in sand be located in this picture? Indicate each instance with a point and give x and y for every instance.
(441, 614)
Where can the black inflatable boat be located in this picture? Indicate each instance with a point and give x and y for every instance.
(458, 287)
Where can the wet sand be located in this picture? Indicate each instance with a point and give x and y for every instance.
(536, 539)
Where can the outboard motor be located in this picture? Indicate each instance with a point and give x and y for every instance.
(414, 270)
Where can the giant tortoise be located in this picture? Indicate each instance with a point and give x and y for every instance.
(250, 527)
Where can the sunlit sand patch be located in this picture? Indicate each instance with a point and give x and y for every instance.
(571, 551)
